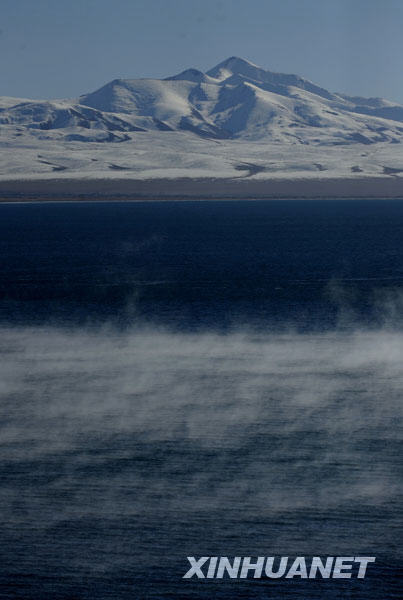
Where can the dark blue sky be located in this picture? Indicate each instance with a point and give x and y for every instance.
(55, 48)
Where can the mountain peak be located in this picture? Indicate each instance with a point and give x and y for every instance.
(193, 75)
(237, 61)
(235, 69)
(234, 66)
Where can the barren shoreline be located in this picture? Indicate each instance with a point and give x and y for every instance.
(52, 190)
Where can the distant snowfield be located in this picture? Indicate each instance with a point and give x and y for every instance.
(175, 155)
(238, 121)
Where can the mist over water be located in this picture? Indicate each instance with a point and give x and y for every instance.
(151, 424)
(222, 414)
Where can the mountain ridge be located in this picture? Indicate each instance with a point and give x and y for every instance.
(235, 120)
(235, 99)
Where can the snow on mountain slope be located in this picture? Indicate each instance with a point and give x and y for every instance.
(71, 119)
(230, 70)
(239, 99)
(223, 117)
(164, 105)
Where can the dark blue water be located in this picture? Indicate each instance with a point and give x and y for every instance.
(199, 379)
(193, 264)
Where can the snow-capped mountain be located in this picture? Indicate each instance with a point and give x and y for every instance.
(235, 102)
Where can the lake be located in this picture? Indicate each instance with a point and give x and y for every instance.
(199, 379)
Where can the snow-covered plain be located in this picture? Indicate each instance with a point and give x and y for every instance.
(235, 121)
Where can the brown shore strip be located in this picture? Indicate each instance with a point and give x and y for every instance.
(52, 190)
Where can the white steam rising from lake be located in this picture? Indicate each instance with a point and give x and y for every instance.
(260, 421)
